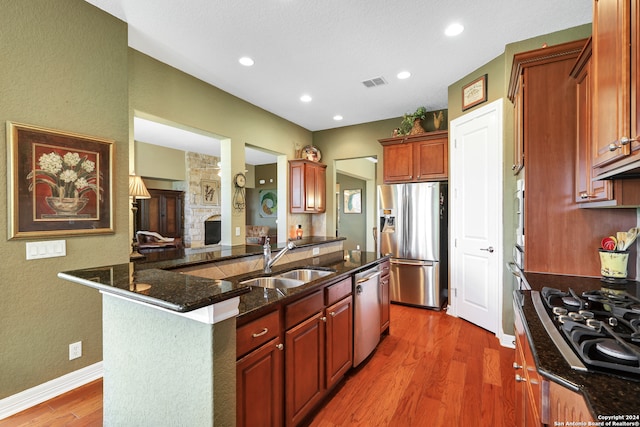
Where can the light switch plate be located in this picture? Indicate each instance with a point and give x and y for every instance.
(46, 249)
(316, 251)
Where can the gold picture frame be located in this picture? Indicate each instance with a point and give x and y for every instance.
(210, 192)
(59, 183)
(474, 93)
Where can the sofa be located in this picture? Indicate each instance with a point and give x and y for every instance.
(149, 240)
(256, 234)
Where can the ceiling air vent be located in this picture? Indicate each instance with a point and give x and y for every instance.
(376, 81)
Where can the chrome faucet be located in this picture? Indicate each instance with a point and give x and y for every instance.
(268, 261)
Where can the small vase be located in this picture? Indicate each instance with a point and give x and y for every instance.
(417, 127)
(67, 206)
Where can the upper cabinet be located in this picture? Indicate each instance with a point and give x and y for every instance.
(422, 157)
(616, 43)
(307, 186)
(590, 192)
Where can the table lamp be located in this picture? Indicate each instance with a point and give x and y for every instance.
(137, 190)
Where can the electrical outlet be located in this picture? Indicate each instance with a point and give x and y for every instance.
(316, 251)
(237, 231)
(75, 350)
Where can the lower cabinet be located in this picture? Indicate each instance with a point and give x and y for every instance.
(289, 359)
(565, 404)
(259, 372)
(304, 372)
(259, 386)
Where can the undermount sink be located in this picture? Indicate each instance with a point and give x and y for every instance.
(305, 274)
(273, 282)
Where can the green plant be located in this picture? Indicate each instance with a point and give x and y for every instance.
(408, 119)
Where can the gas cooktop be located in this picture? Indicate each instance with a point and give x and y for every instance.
(596, 330)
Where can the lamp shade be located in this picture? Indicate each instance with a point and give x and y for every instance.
(137, 189)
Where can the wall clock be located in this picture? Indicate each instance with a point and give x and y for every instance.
(240, 180)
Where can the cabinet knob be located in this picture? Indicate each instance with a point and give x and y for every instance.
(520, 379)
(516, 366)
(323, 318)
(332, 314)
(279, 346)
(616, 145)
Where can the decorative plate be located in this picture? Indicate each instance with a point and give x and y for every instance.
(312, 153)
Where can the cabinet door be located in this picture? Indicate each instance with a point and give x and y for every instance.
(320, 189)
(384, 303)
(565, 404)
(162, 213)
(304, 373)
(296, 187)
(398, 162)
(259, 399)
(431, 159)
(586, 189)
(612, 71)
(518, 129)
(339, 339)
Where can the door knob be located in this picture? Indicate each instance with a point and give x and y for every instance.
(489, 249)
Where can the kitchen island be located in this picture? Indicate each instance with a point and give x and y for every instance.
(169, 334)
(605, 395)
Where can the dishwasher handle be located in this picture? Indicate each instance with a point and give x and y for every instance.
(369, 277)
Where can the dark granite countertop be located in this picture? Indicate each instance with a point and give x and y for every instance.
(605, 394)
(176, 258)
(166, 289)
(152, 281)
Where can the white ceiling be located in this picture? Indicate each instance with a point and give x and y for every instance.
(326, 48)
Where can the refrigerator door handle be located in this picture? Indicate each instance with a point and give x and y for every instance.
(411, 262)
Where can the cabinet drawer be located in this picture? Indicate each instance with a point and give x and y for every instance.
(257, 332)
(304, 308)
(338, 290)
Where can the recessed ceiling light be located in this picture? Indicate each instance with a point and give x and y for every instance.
(403, 75)
(305, 98)
(246, 61)
(337, 117)
(454, 29)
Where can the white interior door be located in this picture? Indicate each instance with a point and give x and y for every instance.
(476, 216)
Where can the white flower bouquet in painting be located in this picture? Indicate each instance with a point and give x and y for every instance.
(70, 177)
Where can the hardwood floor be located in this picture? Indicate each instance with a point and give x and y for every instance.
(432, 370)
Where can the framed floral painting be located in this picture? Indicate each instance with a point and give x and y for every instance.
(60, 183)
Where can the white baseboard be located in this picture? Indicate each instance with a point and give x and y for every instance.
(41, 393)
(507, 340)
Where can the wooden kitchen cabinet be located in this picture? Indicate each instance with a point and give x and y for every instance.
(162, 213)
(259, 380)
(307, 186)
(607, 193)
(616, 43)
(259, 372)
(423, 157)
(528, 394)
(304, 357)
(339, 331)
(384, 296)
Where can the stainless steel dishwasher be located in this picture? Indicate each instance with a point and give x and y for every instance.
(366, 335)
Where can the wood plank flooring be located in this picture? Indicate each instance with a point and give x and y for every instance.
(432, 370)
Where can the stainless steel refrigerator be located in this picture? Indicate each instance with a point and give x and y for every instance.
(414, 233)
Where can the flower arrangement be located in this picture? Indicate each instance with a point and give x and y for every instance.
(68, 176)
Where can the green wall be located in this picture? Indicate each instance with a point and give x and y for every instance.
(64, 66)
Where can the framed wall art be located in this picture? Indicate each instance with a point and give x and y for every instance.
(474, 93)
(268, 200)
(353, 201)
(210, 192)
(60, 183)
